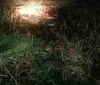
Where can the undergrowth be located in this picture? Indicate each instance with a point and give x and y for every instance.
(65, 54)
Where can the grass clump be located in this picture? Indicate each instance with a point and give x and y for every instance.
(13, 45)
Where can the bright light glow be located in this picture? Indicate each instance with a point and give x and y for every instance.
(31, 9)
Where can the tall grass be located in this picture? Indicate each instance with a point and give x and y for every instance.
(71, 59)
(69, 64)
